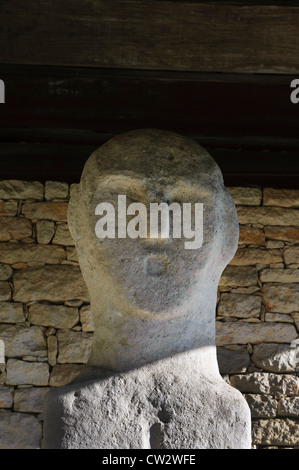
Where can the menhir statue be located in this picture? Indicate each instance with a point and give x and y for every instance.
(154, 229)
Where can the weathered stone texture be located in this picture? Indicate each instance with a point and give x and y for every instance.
(52, 349)
(63, 374)
(261, 406)
(46, 210)
(233, 360)
(8, 208)
(23, 372)
(235, 276)
(19, 431)
(279, 275)
(56, 190)
(276, 357)
(246, 196)
(57, 316)
(267, 383)
(52, 283)
(11, 312)
(6, 396)
(5, 272)
(251, 236)
(253, 256)
(73, 347)
(19, 252)
(281, 432)
(45, 230)
(14, 228)
(291, 255)
(281, 298)
(281, 197)
(63, 236)
(5, 290)
(15, 189)
(239, 305)
(23, 340)
(289, 234)
(268, 216)
(243, 333)
(30, 400)
(86, 319)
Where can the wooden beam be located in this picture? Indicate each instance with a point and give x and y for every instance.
(150, 34)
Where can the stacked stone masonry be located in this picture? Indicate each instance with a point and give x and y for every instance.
(46, 326)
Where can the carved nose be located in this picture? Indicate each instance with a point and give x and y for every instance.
(155, 265)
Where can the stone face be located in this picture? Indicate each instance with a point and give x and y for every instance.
(23, 340)
(289, 234)
(278, 317)
(73, 347)
(5, 291)
(233, 360)
(246, 196)
(5, 272)
(30, 400)
(279, 275)
(291, 255)
(262, 406)
(275, 432)
(23, 372)
(56, 190)
(288, 406)
(281, 197)
(281, 298)
(276, 357)
(268, 216)
(51, 283)
(11, 312)
(17, 252)
(243, 333)
(46, 210)
(14, 228)
(57, 316)
(86, 319)
(52, 349)
(15, 189)
(63, 374)
(239, 305)
(266, 383)
(235, 276)
(251, 236)
(23, 438)
(6, 396)
(63, 236)
(45, 230)
(252, 256)
(8, 208)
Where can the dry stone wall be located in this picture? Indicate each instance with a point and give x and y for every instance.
(47, 330)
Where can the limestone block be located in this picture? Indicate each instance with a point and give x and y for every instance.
(281, 197)
(239, 305)
(276, 357)
(266, 383)
(268, 216)
(23, 372)
(14, 228)
(56, 190)
(46, 210)
(71, 254)
(289, 234)
(8, 208)
(281, 298)
(45, 230)
(235, 276)
(278, 317)
(19, 431)
(279, 275)
(11, 312)
(63, 236)
(291, 255)
(244, 332)
(52, 349)
(295, 317)
(86, 319)
(23, 340)
(73, 347)
(251, 236)
(30, 400)
(281, 432)
(233, 360)
(63, 374)
(288, 406)
(50, 283)
(5, 291)
(17, 252)
(252, 256)
(6, 396)
(5, 272)
(261, 406)
(246, 196)
(15, 189)
(56, 316)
